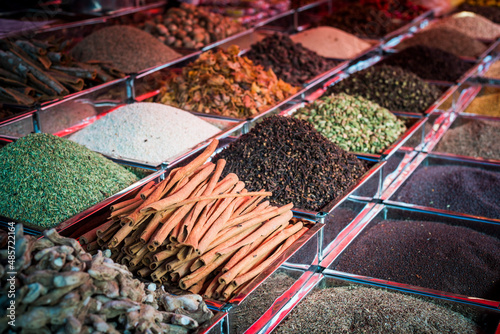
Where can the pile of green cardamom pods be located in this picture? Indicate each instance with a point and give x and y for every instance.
(353, 123)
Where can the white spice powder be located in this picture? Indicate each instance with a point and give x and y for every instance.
(145, 132)
(330, 42)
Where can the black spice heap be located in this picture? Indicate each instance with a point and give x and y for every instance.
(391, 87)
(288, 157)
(291, 62)
(429, 63)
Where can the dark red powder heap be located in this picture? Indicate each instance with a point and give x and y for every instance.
(427, 254)
(462, 189)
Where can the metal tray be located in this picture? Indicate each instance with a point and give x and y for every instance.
(489, 318)
(395, 212)
(431, 159)
(215, 325)
(452, 121)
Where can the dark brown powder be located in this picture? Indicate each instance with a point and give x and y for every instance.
(427, 254)
(474, 138)
(446, 39)
(351, 309)
(129, 49)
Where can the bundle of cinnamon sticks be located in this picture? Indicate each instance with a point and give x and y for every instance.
(36, 70)
(197, 231)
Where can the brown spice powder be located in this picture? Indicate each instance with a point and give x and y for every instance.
(351, 309)
(488, 105)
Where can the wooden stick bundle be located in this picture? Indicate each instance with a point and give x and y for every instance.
(199, 232)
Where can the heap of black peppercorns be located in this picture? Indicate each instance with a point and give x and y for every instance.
(429, 63)
(291, 62)
(391, 87)
(289, 157)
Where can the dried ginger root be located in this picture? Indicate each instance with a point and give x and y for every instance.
(63, 289)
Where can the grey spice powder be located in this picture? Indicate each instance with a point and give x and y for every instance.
(351, 309)
(45, 179)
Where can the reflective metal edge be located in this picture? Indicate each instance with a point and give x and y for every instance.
(407, 159)
(285, 303)
(485, 303)
(17, 118)
(258, 280)
(209, 325)
(376, 168)
(403, 175)
(351, 231)
(441, 124)
(415, 24)
(74, 221)
(439, 212)
(345, 233)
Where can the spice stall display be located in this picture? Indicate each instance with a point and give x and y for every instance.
(429, 63)
(36, 71)
(489, 12)
(62, 288)
(290, 158)
(353, 123)
(390, 87)
(289, 60)
(223, 83)
(487, 105)
(198, 231)
(190, 27)
(147, 132)
(46, 180)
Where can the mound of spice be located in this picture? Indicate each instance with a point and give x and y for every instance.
(191, 27)
(226, 84)
(41, 70)
(150, 132)
(488, 105)
(46, 180)
(446, 39)
(390, 87)
(289, 157)
(472, 25)
(474, 138)
(62, 288)
(489, 12)
(129, 49)
(427, 254)
(429, 63)
(331, 42)
(455, 188)
(361, 20)
(291, 62)
(353, 123)
(354, 309)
